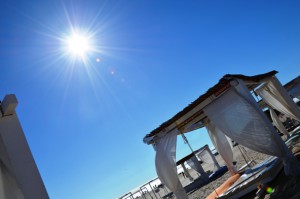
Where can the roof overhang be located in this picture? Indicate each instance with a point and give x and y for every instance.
(189, 156)
(191, 117)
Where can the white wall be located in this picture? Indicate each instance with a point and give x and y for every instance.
(18, 169)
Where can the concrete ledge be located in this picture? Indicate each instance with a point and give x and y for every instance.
(9, 105)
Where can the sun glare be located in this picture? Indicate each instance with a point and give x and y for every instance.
(78, 45)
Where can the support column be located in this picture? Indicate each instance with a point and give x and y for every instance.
(186, 172)
(212, 156)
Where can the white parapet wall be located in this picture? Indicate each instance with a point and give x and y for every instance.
(19, 175)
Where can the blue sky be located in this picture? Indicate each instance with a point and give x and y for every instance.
(85, 121)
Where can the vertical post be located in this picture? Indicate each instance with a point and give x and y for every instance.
(143, 196)
(212, 156)
(131, 195)
(147, 191)
(186, 142)
(152, 189)
(186, 172)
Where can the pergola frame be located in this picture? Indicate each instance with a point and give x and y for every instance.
(191, 117)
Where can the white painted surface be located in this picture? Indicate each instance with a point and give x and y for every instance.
(20, 178)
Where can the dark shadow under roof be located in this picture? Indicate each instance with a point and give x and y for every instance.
(223, 82)
(182, 160)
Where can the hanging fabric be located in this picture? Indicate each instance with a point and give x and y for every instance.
(275, 95)
(222, 144)
(165, 163)
(208, 157)
(205, 156)
(277, 122)
(195, 164)
(237, 115)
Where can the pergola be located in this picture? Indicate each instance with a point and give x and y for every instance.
(205, 155)
(228, 111)
(293, 87)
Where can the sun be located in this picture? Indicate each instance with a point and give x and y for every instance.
(78, 45)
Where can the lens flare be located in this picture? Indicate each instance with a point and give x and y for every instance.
(270, 190)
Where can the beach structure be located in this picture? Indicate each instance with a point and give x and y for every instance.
(293, 87)
(19, 175)
(206, 156)
(288, 124)
(203, 154)
(228, 110)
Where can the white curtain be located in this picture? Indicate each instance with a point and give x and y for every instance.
(275, 95)
(277, 122)
(195, 164)
(237, 114)
(165, 162)
(207, 157)
(223, 145)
